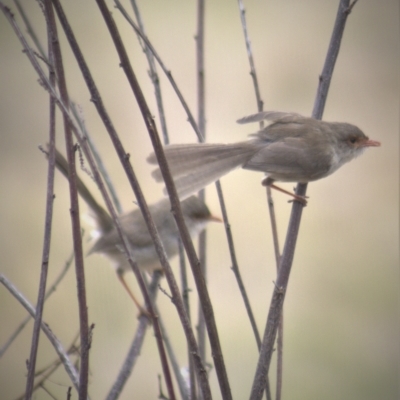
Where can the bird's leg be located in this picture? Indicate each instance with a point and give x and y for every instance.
(267, 181)
(142, 310)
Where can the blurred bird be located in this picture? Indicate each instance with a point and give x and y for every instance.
(196, 215)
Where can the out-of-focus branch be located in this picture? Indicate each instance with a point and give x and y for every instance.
(47, 230)
(124, 157)
(134, 351)
(153, 75)
(30, 29)
(167, 72)
(46, 372)
(74, 209)
(163, 124)
(201, 122)
(69, 367)
(96, 155)
(50, 291)
(177, 212)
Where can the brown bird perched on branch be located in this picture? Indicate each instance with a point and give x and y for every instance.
(292, 148)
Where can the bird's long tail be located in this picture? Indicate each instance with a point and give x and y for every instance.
(194, 166)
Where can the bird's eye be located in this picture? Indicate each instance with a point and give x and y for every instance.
(352, 140)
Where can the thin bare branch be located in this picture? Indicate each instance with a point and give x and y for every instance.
(47, 232)
(134, 351)
(279, 340)
(80, 139)
(270, 203)
(50, 291)
(185, 298)
(331, 57)
(99, 162)
(176, 210)
(253, 72)
(163, 124)
(69, 367)
(47, 371)
(74, 209)
(182, 383)
(167, 72)
(235, 267)
(124, 157)
(30, 29)
(153, 74)
(295, 218)
(201, 122)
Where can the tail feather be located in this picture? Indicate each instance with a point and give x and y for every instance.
(194, 166)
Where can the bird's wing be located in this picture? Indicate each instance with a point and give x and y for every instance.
(134, 227)
(290, 160)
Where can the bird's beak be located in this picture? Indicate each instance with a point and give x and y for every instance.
(371, 143)
(214, 218)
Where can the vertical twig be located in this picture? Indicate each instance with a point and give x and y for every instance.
(185, 298)
(270, 202)
(47, 229)
(153, 75)
(76, 228)
(253, 73)
(295, 218)
(201, 122)
(260, 104)
(279, 340)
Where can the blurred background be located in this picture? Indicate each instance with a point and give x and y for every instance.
(341, 337)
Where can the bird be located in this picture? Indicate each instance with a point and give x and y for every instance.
(108, 243)
(292, 148)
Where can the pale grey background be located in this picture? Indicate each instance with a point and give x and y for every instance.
(341, 312)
